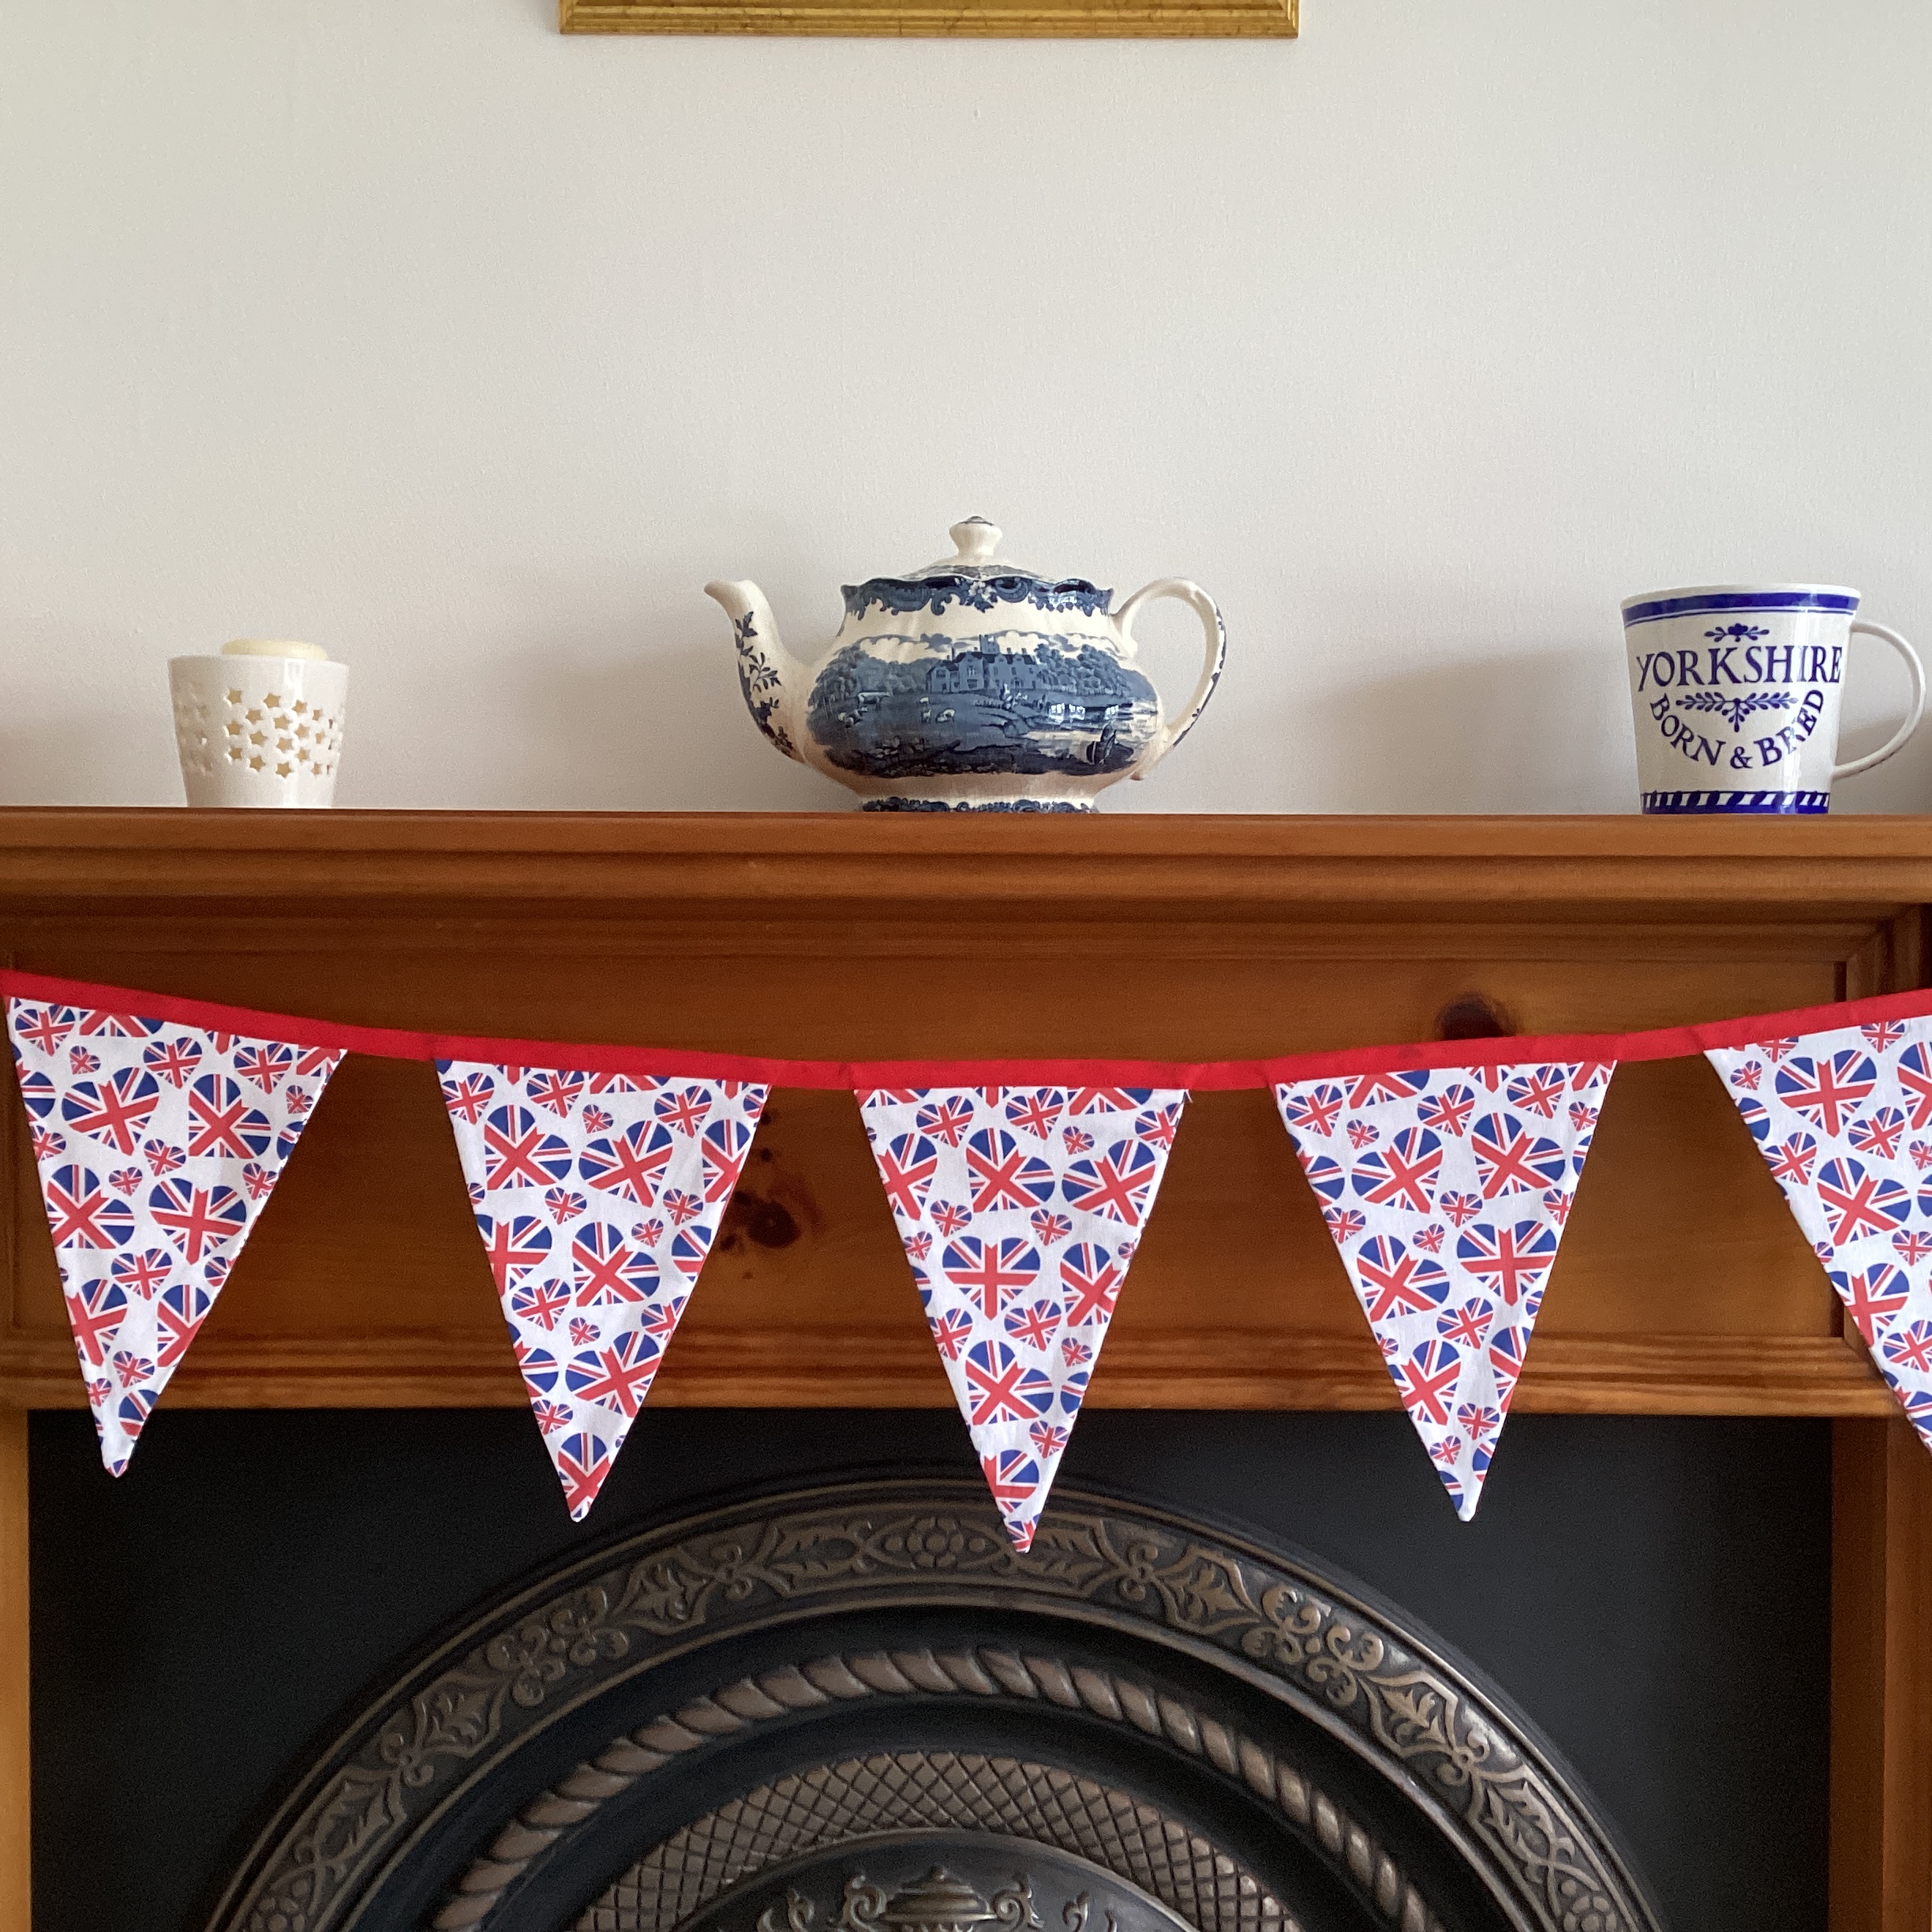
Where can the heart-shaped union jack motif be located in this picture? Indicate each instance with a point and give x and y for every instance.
(1446, 1191)
(1833, 1123)
(597, 1196)
(1019, 1208)
(157, 1146)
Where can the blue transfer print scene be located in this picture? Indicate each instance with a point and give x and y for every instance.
(971, 685)
(993, 703)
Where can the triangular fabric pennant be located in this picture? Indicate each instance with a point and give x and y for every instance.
(158, 1145)
(1838, 1116)
(597, 1196)
(1446, 1191)
(1021, 1208)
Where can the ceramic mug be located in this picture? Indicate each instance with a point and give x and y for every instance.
(260, 725)
(1735, 691)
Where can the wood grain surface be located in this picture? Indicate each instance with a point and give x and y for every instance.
(1683, 1286)
(1014, 20)
(1881, 1868)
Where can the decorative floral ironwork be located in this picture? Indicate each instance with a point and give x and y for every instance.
(902, 1798)
(539, 1654)
(1514, 1817)
(863, 1905)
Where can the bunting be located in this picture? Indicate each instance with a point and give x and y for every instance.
(599, 1177)
(1843, 1117)
(158, 1146)
(1021, 1208)
(598, 1196)
(1446, 1191)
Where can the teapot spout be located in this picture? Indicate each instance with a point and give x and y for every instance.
(772, 680)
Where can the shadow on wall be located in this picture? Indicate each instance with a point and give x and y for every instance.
(1544, 730)
(1873, 706)
(666, 732)
(117, 758)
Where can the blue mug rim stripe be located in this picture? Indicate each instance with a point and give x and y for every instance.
(1698, 603)
(1783, 804)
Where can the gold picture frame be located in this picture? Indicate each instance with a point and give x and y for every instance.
(970, 19)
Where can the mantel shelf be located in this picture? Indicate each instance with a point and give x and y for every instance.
(1683, 1286)
(1154, 867)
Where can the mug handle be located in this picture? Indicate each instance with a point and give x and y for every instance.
(1215, 633)
(1898, 738)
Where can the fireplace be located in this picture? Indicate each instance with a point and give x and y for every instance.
(1141, 1717)
(1702, 1568)
(732, 1715)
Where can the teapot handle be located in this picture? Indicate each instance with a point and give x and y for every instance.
(1203, 607)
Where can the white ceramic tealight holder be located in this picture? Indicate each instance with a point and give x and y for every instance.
(260, 724)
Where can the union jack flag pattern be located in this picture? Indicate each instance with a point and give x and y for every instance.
(157, 1146)
(597, 1196)
(1446, 1191)
(1843, 1120)
(1021, 1208)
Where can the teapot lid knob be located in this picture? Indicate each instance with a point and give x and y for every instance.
(978, 539)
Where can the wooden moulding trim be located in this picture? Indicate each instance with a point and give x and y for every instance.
(1797, 844)
(1259, 21)
(746, 865)
(188, 938)
(1568, 1375)
(1881, 1868)
(397, 1043)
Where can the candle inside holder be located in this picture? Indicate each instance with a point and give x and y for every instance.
(260, 724)
(274, 647)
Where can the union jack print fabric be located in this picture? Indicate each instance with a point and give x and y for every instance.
(158, 1145)
(598, 1196)
(1446, 1191)
(1021, 1208)
(1844, 1118)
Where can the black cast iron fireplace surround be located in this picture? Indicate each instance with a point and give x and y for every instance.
(855, 1706)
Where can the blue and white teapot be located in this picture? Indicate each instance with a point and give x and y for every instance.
(971, 685)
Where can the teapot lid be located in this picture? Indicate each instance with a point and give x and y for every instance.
(976, 574)
(975, 545)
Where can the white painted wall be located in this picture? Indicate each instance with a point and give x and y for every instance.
(411, 327)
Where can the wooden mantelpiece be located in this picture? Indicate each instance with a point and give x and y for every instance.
(1683, 1286)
